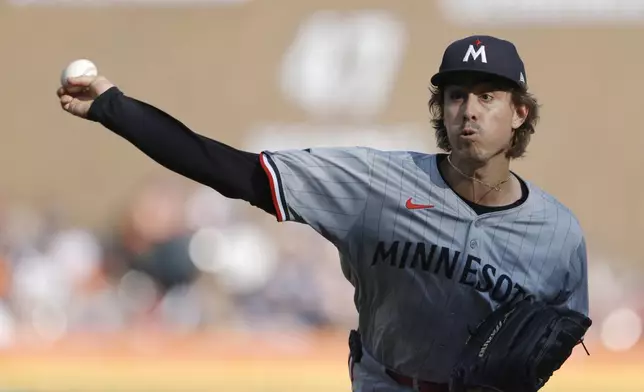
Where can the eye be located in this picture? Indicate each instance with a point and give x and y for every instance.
(456, 95)
(486, 97)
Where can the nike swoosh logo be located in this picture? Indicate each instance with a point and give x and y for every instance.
(413, 206)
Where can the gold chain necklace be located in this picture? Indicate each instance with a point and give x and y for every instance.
(496, 187)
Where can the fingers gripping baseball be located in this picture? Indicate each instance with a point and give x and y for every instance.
(77, 96)
(79, 89)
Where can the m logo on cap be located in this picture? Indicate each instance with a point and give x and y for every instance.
(475, 53)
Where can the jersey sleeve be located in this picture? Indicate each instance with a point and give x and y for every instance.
(325, 188)
(576, 282)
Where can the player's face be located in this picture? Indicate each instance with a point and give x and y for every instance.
(480, 118)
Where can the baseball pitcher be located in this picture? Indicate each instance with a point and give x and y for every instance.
(432, 243)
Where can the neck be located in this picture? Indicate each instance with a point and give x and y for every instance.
(476, 180)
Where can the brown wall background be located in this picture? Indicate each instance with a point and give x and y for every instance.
(215, 69)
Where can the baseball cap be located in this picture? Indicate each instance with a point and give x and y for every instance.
(484, 54)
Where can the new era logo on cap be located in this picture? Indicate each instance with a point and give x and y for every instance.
(484, 54)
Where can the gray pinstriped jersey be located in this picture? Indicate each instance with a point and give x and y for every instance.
(424, 265)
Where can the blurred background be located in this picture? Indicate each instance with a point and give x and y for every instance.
(117, 275)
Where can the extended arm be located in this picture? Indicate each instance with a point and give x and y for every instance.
(234, 173)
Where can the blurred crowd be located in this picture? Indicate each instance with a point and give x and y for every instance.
(174, 257)
(183, 258)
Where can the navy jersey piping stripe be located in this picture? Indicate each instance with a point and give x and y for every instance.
(276, 183)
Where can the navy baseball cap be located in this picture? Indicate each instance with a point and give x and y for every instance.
(483, 54)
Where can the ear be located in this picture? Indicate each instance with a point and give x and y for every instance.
(520, 114)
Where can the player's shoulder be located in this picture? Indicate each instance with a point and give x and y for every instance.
(361, 152)
(542, 199)
(323, 151)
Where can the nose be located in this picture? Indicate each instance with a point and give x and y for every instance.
(470, 108)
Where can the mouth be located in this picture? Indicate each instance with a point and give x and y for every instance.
(468, 132)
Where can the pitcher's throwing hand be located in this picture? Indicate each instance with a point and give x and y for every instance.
(79, 94)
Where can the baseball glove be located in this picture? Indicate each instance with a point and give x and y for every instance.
(518, 347)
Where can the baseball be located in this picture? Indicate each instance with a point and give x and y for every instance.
(77, 68)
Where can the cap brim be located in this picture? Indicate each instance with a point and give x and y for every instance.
(443, 77)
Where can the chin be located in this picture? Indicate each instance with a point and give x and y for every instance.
(478, 155)
(471, 151)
